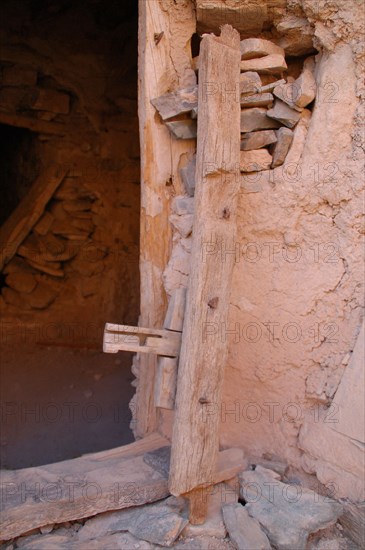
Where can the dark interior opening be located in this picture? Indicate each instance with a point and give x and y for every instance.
(61, 396)
(19, 166)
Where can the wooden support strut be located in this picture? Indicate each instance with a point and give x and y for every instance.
(203, 356)
(166, 373)
(18, 226)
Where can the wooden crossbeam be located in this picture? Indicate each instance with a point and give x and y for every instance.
(141, 340)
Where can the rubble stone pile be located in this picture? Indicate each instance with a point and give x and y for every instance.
(59, 244)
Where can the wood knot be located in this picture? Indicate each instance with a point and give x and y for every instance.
(203, 400)
(213, 302)
(226, 213)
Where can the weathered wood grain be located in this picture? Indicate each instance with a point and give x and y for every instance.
(79, 488)
(18, 226)
(166, 374)
(202, 359)
(141, 340)
(163, 67)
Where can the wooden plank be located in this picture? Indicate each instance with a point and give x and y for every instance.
(166, 373)
(39, 126)
(28, 212)
(163, 67)
(140, 340)
(165, 385)
(202, 359)
(174, 319)
(147, 444)
(79, 488)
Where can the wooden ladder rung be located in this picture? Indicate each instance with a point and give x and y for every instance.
(141, 340)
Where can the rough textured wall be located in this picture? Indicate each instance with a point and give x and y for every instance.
(69, 72)
(297, 293)
(297, 297)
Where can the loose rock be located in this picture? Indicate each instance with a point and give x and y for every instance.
(287, 513)
(176, 103)
(282, 146)
(183, 129)
(156, 523)
(159, 460)
(244, 531)
(257, 119)
(256, 140)
(43, 296)
(297, 36)
(257, 100)
(284, 114)
(250, 83)
(252, 48)
(306, 85)
(21, 282)
(183, 224)
(270, 64)
(188, 176)
(53, 101)
(183, 205)
(288, 93)
(271, 86)
(49, 268)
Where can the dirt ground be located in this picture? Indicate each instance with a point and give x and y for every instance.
(59, 403)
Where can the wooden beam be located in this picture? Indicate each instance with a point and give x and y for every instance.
(141, 340)
(163, 66)
(79, 488)
(33, 124)
(203, 357)
(28, 212)
(166, 374)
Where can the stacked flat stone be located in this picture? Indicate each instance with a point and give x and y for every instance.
(60, 243)
(271, 106)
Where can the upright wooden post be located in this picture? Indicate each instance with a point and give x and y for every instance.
(203, 354)
(164, 65)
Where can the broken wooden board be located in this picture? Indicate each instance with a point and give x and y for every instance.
(18, 226)
(79, 488)
(92, 484)
(202, 360)
(141, 340)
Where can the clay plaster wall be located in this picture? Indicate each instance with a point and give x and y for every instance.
(297, 294)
